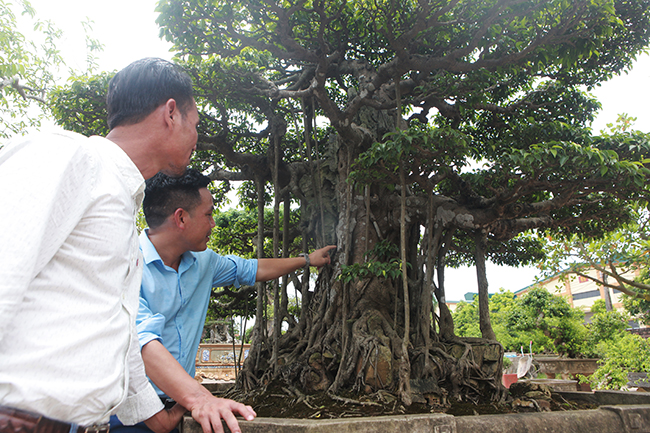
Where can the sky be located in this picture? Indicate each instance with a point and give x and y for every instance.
(129, 32)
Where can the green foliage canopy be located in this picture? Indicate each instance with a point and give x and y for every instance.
(491, 81)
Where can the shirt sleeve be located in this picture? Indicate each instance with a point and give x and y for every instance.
(46, 183)
(149, 325)
(233, 270)
(142, 401)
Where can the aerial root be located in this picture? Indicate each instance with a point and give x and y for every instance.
(246, 381)
(300, 397)
(352, 401)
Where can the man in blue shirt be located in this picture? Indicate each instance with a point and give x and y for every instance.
(177, 280)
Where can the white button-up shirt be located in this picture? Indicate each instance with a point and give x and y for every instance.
(70, 272)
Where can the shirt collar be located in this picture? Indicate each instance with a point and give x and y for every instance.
(150, 254)
(126, 167)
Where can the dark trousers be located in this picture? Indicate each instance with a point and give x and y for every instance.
(118, 427)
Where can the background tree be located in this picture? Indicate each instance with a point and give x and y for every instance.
(81, 105)
(627, 353)
(639, 306)
(605, 327)
(233, 234)
(538, 321)
(553, 325)
(466, 320)
(28, 68)
(366, 120)
(620, 352)
(618, 256)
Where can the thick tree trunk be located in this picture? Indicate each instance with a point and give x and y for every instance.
(481, 277)
(375, 332)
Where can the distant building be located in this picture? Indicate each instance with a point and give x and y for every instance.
(468, 298)
(581, 292)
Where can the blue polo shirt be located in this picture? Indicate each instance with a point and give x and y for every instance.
(173, 305)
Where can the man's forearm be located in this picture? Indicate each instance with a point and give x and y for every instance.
(166, 420)
(168, 375)
(270, 269)
(208, 410)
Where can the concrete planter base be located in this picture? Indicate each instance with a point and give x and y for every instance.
(606, 419)
(618, 412)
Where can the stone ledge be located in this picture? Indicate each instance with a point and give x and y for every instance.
(607, 419)
(608, 397)
(426, 423)
(579, 421)
(635, 418)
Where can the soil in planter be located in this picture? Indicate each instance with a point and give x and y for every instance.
(277, 401)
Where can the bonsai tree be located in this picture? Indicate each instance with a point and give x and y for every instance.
(414, 135)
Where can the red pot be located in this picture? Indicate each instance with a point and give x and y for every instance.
(509, 379)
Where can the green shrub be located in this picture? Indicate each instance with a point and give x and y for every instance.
(605, 327)
(625, 354)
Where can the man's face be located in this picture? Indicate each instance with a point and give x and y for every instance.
(184, 141)
(199, 223)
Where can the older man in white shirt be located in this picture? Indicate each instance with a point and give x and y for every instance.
(70, 266)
